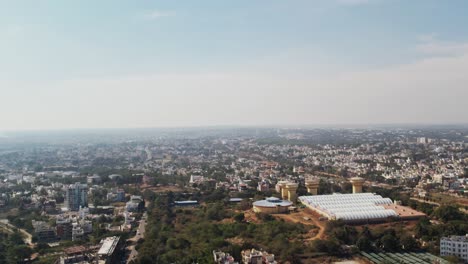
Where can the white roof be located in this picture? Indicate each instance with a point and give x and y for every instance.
(108, 245)
(359, 206)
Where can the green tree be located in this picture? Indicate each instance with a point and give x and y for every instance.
(239, 217)
(408, 243)
(448, 213)
(364, 244)
(17, 254)
(389, 242)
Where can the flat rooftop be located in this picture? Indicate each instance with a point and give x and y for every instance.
(108, 245)
(272, 202)
(404, 211)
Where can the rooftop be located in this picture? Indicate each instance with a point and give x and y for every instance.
(272, 202)
(108, 245)
(456, 238)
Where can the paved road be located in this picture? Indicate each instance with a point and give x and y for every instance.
(139, 235)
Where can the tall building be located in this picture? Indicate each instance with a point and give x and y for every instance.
(421, 140)
(64, 228)
(76, 196)
(455, 246)
(111, 250)
(43, 231)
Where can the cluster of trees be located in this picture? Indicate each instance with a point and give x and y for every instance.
(13, 249)
(187, 235)
(326, 187)
(451, 222)
(24, 219)
(385, 239)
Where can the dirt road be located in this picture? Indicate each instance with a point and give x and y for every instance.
(301, 216)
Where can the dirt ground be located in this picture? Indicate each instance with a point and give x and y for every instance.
(313, 219)
(251, 217)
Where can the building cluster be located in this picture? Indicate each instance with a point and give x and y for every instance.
(108, 251)
(253, 256)
(293, 162)
(223, 258)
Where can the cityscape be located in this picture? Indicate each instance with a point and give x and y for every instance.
(236, 195)
(234, 132)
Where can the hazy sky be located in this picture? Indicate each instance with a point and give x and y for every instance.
(97, 64)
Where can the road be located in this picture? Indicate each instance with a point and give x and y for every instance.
(140, 234)
(436, 204)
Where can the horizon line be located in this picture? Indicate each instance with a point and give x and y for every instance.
(271, 126)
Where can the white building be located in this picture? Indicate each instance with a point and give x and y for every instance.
(455, 246)
(196, 179)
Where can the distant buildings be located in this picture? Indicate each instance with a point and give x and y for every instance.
(196, 179)
(253, 256)
(76, 196)
(116, 195)
(455, 246)
(95, 179)
(135, 204)
(263, 186)
(223, 258)
(421, 140)
(114, 177)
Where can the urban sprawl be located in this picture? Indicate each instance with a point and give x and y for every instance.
(235, 195)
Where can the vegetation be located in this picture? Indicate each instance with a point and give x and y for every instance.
(13, 249)
(190, 235)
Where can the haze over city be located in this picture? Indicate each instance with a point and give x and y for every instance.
(124, 64)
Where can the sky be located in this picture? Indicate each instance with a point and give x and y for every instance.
(125, 64)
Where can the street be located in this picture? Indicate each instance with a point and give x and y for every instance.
(140, 234)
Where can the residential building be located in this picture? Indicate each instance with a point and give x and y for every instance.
(63, 228)
(253, 256)
(223, 258)
(110, 251)
(76, 196)
(43, 231)
(455, 246)
(135, 204)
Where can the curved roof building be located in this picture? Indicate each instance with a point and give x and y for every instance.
(350, 207)
(271, 205)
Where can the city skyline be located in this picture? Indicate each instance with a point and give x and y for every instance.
(117, 64)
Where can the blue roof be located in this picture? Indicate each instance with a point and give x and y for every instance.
(186, 202)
